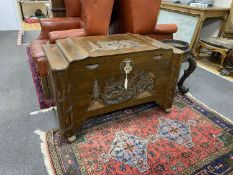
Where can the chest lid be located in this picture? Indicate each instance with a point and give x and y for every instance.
(73, 49)
(79, 48)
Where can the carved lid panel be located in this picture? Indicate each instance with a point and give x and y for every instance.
(73, 49)
(79, 48)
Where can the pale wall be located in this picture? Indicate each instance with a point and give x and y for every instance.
(222, 3)
(9, 18)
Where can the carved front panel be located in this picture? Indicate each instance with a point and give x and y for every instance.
(107, 82)
(140, 84)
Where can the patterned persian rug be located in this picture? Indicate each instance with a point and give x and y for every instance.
(192, 139)
(43, 103)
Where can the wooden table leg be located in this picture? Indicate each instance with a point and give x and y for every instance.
(192, 66)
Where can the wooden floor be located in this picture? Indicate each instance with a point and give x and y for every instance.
(212, 65)
(30, 27)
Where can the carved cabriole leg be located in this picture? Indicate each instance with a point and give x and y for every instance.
(223, 58)
(192, 66)
(225, 72)
(64, 105)
(222, 51)
(176, 61)
(199, 47)
(228, 68)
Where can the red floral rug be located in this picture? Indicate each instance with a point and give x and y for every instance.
(192, 139)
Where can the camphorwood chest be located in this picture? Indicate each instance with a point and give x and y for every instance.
(99, 74)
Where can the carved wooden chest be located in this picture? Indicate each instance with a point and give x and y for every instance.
(99, 74)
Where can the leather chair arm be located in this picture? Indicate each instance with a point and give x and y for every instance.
(42, 66)
(166, 28)
(53, 36)
(36, 48)
(56, 24)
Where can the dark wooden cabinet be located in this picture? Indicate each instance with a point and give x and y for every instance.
(99, 74)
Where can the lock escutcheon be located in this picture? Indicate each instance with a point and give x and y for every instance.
(126, 66)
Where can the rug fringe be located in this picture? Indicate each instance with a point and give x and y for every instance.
(45, 152)
(210, 109)
(43, 111)
(20, 37)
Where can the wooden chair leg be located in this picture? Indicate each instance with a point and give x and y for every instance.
(223, 57)
(198, 51)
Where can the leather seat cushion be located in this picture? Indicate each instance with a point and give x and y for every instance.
(53, 36)
(166, 28)
(224, 43)
(160, 37)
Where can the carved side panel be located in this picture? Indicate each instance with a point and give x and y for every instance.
(64, 105)
(173, 78)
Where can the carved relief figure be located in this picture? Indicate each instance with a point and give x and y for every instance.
(140, 84)
(97, 102)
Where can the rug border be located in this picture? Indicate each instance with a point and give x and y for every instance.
(45, 152)
(227, 120)
(192, 169)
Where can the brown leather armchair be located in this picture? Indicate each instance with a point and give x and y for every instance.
(139, 16)
(88, 17)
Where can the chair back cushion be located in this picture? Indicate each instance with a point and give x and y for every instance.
(96, 15)
(73, 8)
(138, 16)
